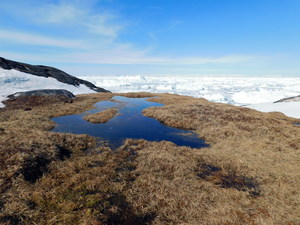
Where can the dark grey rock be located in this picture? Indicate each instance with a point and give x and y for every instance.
(30, 99)
(45, 71)
(43, 92)
(290, 99)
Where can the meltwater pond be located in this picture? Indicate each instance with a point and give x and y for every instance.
(129, 123)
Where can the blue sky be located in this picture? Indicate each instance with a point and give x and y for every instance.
(112, 37)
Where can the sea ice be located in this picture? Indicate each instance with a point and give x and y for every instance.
(233, 90)
(241, 91)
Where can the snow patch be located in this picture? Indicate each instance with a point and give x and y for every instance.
(291, 109)
(12, 81)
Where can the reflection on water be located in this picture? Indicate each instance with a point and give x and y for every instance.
(130, 123)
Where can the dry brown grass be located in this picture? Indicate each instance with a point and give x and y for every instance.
(101, 117)
(261, 148)
(250, 174)
(27, 148)
(87, 189)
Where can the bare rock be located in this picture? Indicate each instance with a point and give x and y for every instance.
(43, 92)
(46, 71)
(29, 99)
(290, 99)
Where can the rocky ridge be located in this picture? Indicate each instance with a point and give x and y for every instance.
(46, 71)
(290, 99)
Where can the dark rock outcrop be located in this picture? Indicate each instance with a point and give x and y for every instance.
(290, 99)
(43, 92)
(29, 99)
(45, 71)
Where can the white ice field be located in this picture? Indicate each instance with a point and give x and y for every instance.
(254, 92)
(233, 90)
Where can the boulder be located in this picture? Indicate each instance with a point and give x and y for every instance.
(43, 92)
(29, 99)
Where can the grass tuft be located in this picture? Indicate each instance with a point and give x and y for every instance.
(101, 117)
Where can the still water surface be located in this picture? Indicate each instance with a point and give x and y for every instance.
(130, 123)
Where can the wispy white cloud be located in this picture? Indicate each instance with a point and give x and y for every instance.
(100, 46)
(60, 13)
(132, 57)
(67, 13)
(221, 59)
(38, 40)
(126, 55)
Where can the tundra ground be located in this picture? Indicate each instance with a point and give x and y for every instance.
(250, 174)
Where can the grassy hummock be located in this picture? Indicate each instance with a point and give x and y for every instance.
(101, 117)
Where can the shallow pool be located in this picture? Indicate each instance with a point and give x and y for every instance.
(130, 123)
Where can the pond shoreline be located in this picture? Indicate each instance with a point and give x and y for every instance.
(128, 123)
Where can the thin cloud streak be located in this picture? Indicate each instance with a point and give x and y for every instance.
(33, 39)
(71, 15)
(119, 57)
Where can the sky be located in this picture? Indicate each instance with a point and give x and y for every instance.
(154, 37)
